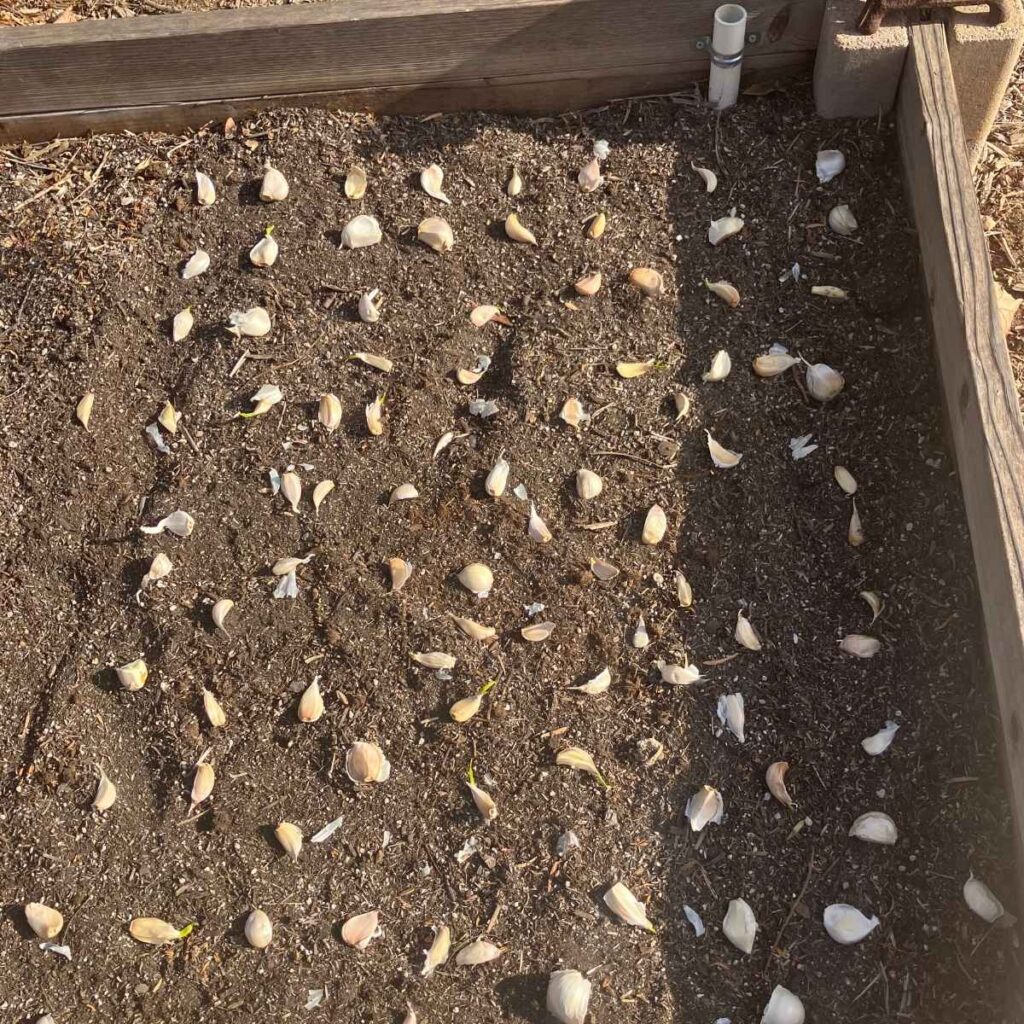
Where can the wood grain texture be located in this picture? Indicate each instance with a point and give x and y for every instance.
(978, 385)
(509, 52)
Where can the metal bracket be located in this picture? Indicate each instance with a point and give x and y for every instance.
(704, 42)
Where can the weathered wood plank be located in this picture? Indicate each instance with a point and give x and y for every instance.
(379, 54)
(978, 385)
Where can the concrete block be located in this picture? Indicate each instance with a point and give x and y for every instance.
(982, 58)
(857, 75)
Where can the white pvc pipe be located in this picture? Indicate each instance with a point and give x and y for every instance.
(727, 43)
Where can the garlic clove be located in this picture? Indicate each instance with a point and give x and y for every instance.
(106, 792)
(159, 568)
(847, 925)
(290, 838)
(682, 403)
(828, 164)
(579, 760)
(684, 592)
(497, 478)
(180, 523)
(381, 363)
(355, 182)
(588, 484)
(568, 996)
(655, 526)
(596, 686)
(823, 383)
(320, 492)
(880, 742)
(133, 676)
(481, 316)
(365, 762)
(723, 228)
(590, 177)
(284, 566)
(360, 232)
(706, 805)
(484, 802)
(46, 922)
(740, 926)
(474, 630)
(214, 712)
(169, 418)
(597, 226)
(83, 411)
(477, 578)
(628, 370)
(463, 710)
(252, 323)
(155, 932)
(265, 252)
(845, 479)
(311, 704)
(874, 602)
(410, 1015)
(436, 234)
(537, 529)
(984, 902)
(434, 659)
(400, 571)
(772, 365)
(627, 908)
(573, 413)
(731, 714)
(721, 366)
(727, 292)
(375, 416)
(515, 184)
(516, 232)
(430, 181)
(647, 281)
(783, 1008)
(828, 291)
(329, 412)
(182, 324)
(722, 457)
(206, 193)
(219, 612)
(437, 955)
(274, 186)
(258, 930)
(860, 646)
(198, 263)
(775, 780)
(266, 398)
(369, 306)
(361, 930)
(291, 489)
(202, 784)
(589, 285)
(709, 178)
(478, 952)
(678, 675)
(874, 827)
(841, 220)
(855, 532)
(537, 632)
(745, 633)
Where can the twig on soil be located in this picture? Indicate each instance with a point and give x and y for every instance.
(42, 192)
(792, 910)
(635, 458)
(191, 440)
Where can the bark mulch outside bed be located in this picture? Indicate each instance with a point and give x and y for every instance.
(90, 278)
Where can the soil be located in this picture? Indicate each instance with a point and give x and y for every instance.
(46, 12)
(92, 246)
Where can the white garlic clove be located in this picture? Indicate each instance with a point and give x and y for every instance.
(180, 523)
(182, 324)
(721, 456)
(627, 908)
(568, 996)
(369, 306)
(775, 780)
(381, 363)
(590, 177)
(727, 292)
(874, 602)
(709, 178)
(647, 281)
(361, 930)
(497, 478)
(198, 263)
(483, 802)
(573, 413)
(828, 164)
(847, 925)
(463, 710)
(329, 412)
(629, 370)
(202, 783)
(706, 805)
(274, 186)
(598, 223)
(437, 955)
(695, 921)
(855, 532)
(828, 291)
(874, 827)
(431, 179)
(481, 316)
(723, 228)
(106, 792)
(740, 926)
(442, 442)
(603, 569)
(773, 364)
(252, 323)
(258, 930)
(678, 675)
(783, 1008)
(410, 1015)
(477, 578)
(841, 220)
(880, 742)
(684, 592)
(479, 952)
(133, 676)
(845, 479)
(320, 492)
(823, 383)
(375, 416)
(291, 489)
(682, 403)
(46, 922)
(860, 646)
(264, 253)
(721, 365)
(311, 704)
(984, 902)
(589, 284)
(361, 232)
(515, 184)
(641, 638)
(731, 714)
(219, 612)
(580, 760)
(206, 193)
(537, 529)
(213, 711)
(266, 398)
(159, 568)
(596, 686)
(745, 633)
(290, 838)
(588, 484)
(365, 762)
(474, 630)
(436, 234)
(355, 182)
(517, 232)
(284, 566)
(434, 659)
(155, 932)
(655, 526)
(400, 571)
(537, 632)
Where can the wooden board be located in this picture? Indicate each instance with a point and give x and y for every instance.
(388, 55)
(974, 366)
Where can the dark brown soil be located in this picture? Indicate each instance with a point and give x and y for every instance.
(90, 279)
